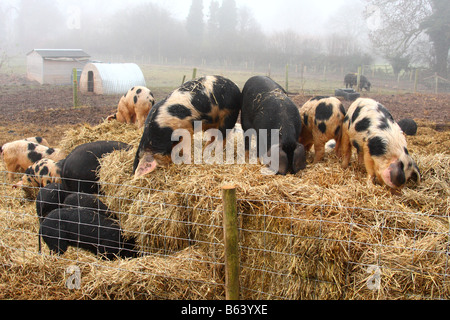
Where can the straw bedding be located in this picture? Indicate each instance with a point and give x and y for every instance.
(309, 236)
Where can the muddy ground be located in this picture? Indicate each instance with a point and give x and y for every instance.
(29, 109)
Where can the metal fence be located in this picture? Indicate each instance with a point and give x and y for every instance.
(287, 250)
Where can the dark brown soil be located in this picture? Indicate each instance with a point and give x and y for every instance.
(27, 108)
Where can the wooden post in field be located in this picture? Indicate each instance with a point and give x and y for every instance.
(436, 78)
(194, 73)
(75, 87)
(416, 80)
(358, 79)
(287, 77)
(231, 239)
(184, 79)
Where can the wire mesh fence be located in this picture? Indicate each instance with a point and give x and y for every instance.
(287, 250)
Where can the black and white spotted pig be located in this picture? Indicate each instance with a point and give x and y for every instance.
(380, 143)
(41, 173)
(266, 106)
(86, 229)
(134, 106)
(79, 169)
(213, 100)
(19, 155)
(322, 119)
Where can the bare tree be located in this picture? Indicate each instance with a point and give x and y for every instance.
(405, 22)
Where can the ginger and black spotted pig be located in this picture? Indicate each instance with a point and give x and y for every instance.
(134, 106)
(41, 173)
(381, 145)
(19, 155)
(322, 119)
(213, 100)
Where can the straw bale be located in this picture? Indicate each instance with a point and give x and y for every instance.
(309, 236)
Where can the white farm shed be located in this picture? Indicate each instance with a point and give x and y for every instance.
(110, 78)
(55, 66)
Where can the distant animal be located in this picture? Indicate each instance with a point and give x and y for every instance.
(86, 229)
(408, 126)
(19, 155)
(371, 130)
(322, 119)
(41, 173)
(79, 169)
(266, 106)
(351, 80)
(213, 100)
(134, 106)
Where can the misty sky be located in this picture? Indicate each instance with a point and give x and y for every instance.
(302, 15)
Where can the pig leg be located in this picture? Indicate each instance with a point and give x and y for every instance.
(319, 149)
(346, 150)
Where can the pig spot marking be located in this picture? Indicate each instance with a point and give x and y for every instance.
(44, 171)
(383, 124)
(356, 145)
(322, 127)
(179, 111)
(342, 109)
(50, 151)
(138, 91)
(34, 156)
(362, 125)
(31, 146)
(377, 146)
(135, 99)
(305, 120)
(324, 111)
(356, 114)
(384, 111)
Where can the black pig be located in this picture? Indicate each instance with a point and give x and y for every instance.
(266, 106)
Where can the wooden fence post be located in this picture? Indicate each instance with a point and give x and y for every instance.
(194, 73)
(75, 87)
(287, 77)
(358, 79)
(416, 80)
(231, 239)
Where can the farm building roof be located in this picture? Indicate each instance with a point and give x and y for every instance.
(60, 53)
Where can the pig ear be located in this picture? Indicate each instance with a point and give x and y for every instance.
(299, 160)
(146, 165)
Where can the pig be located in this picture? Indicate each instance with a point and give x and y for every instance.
(38, 140)
(19, 155)
(86, 201)
(265, 105)
(86, 229)
(371, 130)
(49, 198)
(351, 80)
(134, 106)
(41, 173)
(213, 100)
(79, 169)
(322, 119)
(408, 126)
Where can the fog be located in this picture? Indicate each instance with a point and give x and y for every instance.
(331, 33)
